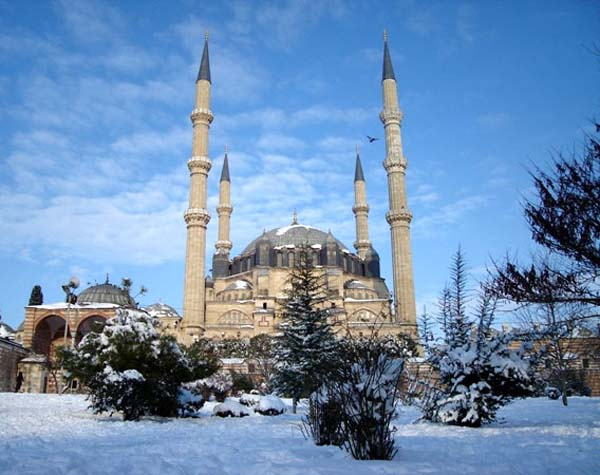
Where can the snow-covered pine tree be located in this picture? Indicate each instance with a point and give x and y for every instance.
(479, 371)
(303, 354)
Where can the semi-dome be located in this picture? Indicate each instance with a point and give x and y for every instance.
(162, 310)
(106, 293)
(294, 235)
(240, 284)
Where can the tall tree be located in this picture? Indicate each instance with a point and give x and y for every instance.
(304, 350)
(564, 219)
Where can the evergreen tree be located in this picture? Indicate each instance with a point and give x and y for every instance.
(564, 218)
(304, 351)
(37, 297)
(478, 369)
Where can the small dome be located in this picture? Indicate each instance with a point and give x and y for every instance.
(106, 293)
(239, 285)
(5, 330)
(162, 310)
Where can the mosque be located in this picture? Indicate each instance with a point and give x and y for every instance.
(242, 297)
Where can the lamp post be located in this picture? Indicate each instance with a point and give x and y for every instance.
(68, 290)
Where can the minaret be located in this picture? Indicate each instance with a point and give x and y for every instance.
(197, 216)
(399, 216)
(361, 210)
(224, 210)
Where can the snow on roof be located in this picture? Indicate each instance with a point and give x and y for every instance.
(64, 305)
(239, 285)
(285, 229)
(232, 360)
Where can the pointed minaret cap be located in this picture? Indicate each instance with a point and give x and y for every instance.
(358, 174)
(225, 171)
(204, 71)
(388, 69)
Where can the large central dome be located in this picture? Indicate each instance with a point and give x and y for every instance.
(294, 235)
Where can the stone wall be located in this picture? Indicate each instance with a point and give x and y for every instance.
(10, 354)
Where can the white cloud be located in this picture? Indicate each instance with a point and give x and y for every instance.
(279, 142)
(432, 224)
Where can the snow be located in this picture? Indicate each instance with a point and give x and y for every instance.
(285, 229)
(270, 403)
(73, 306)
(52, 435)
(231, 407)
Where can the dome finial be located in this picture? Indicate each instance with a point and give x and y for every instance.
(295, 218)
(107, 280)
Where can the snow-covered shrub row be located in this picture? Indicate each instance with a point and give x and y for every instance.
(129, 367)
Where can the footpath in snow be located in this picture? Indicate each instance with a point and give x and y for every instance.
(50, 434)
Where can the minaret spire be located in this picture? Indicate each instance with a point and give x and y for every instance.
(225, 170)
(197, 216)
(224, 209)
(388, 69)
(361, 210)
(204, 71)
(399, 216)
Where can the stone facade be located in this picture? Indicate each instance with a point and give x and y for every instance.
(242, 298)
(10, 354)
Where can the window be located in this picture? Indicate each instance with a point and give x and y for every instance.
(251, 368)
(264, 305)
(585, 363)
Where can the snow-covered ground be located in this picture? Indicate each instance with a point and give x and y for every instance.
(49, 434)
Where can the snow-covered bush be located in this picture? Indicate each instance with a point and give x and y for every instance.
(356, 406)
(129, 367)
(230, 408)
(189, 402)
(270, 405)
(216, 385)
(324, 419)
(249, 400)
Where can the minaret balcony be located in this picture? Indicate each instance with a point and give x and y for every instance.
(360, 208)
(389, 116)
(201, 115)
(199, 163)
(223, 246)
(224, 209)
(403, 216)
(197, 216)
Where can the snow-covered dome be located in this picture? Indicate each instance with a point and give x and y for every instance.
(106, 293)
(6, 330)
(162, 310)
(355, 284)
(294, 235)
(239, 285)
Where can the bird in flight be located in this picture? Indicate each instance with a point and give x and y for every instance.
(371, 139)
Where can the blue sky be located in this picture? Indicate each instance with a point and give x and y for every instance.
(95, 132)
